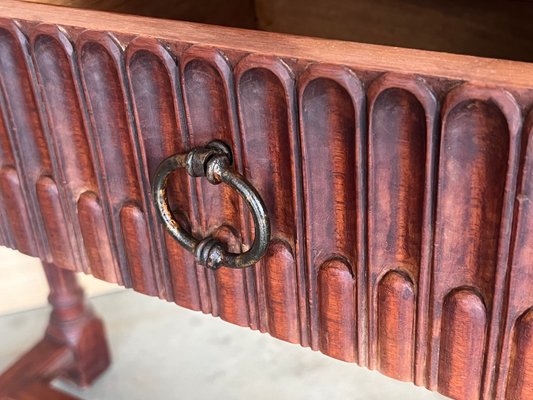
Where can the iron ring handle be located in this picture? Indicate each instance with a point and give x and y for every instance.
(212, 162)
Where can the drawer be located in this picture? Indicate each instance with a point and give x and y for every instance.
(396, 182)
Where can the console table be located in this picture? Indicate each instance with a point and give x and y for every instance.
(369, 202)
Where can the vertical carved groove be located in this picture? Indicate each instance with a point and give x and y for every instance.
(477, 166)
(462, 345)
(402, 138)
(520, 380)
(210, 109)
(229, 289)
(101, 68)
(266, 97)
(154, 83)
(331, 119)
(56, 71)
(444, 297)
(396, 322)
(7, 161)
(96, 238)
(514, 372)
(137, 247)
(4, 239)
(55, 224)
(397, 144)
(17, 215)
(337, 310)
(21, 115)
(184, 283)
(280, 285)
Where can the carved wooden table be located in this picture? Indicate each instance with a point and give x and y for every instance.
(396, 182)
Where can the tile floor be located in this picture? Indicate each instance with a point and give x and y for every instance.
(161, 351)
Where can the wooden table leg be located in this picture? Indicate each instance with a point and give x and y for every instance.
(74, 345)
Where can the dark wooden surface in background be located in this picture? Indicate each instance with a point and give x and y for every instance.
(236, 13)
(397, 182)
(495, 28)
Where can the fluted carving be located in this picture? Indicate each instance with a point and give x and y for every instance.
(401, 234)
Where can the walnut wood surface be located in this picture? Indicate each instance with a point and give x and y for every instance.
(369, 57)
(397, 182)
(500, 29)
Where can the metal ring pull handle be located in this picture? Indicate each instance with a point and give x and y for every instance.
(212, 162)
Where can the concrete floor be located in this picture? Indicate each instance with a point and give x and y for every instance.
(161, 351)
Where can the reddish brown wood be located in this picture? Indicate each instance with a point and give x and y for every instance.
(331, 103)
(46, 360)
(73, 347)
(401, 156)
(20, 106)
(6, 163)
(396, 331)
(210, 108)
(397, 183)
(17, 218)
(515, 379)
(478, 164)
(57, 73)
(101, 66)
(461, 345)
(280, 292)
(54, 222)
(96, 239)
(265, 94)
(336, 312)
(158, 109)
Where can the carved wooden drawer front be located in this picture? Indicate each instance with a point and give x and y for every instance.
(398, 190)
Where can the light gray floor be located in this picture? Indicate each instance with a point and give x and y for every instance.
(161, 351)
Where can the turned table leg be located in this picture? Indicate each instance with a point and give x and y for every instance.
(74, 344)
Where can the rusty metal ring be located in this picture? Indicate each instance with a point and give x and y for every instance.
(212, 162)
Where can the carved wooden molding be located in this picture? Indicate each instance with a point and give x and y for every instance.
(399, 201)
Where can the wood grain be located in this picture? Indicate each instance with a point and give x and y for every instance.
(516, 348)
(266, 94)
(158, 110)
(98, 59)
(355, 55)
(462, 343)
(395, 330)
(336, 314)
(478, 164)
(54, 222)
(401, 162)
(211, 114)
(25, 130)
(17, 220)
(7, 162)
(95, 238)
(331, 103)
(397, 183)
(499, 29)
(57, 74)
